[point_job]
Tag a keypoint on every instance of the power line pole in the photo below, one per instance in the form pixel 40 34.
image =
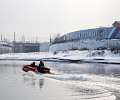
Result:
pixel 50 38
pixel 36 38
pixel 14 44
pixel 1 37
pixel 14 36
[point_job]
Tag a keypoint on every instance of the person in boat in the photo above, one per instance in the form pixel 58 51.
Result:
pixel 41 63
pixel 41 67
pixel 32 64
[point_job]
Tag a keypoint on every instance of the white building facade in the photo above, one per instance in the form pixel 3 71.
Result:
pixel 44 47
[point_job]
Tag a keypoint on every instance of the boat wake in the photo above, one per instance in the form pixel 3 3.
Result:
pixel 89 86
pixel 67 77
pixel 85 86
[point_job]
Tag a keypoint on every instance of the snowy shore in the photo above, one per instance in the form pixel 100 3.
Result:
pixel 89 56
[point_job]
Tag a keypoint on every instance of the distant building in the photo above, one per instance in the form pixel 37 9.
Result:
pixel 89 39
pixel 116 24
pixel 94 33
pixel 26 47
pixel 5 47
pixel 44 46
pixel 20 47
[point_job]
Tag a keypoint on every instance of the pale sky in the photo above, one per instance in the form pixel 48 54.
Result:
pixel 41 18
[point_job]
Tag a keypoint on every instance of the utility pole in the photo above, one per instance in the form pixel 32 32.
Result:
pixel 14 36
pixel 36 38
pixel 14 44
pixel 50 38
pixel 1 37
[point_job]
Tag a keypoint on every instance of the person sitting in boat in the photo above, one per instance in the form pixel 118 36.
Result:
pixel 41 63
pixel 32 64
pixel 41 67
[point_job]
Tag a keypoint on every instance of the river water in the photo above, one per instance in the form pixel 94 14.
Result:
pixel 69 81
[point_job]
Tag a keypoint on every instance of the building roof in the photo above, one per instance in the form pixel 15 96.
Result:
pixel 116 22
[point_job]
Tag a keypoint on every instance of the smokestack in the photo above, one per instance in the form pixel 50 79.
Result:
pixel 14 44
pixel 14 36
pixel 36 38
pixel 1 37
pixel 50 38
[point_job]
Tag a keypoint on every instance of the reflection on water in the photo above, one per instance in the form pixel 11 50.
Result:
pixel 87 68
pixel 29 81
pixel 41 83
pixel 33 82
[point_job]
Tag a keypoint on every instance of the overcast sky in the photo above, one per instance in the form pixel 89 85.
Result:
pixel 40 18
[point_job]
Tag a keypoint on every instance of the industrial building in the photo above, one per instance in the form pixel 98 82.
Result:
pixel 96 38
pixel 20 47
pixel 26 47
pixel 5 47
pixel 95 33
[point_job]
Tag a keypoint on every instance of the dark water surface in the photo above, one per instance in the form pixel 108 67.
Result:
pixel 70 81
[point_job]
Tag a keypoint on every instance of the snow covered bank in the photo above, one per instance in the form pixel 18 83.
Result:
pixel 96 56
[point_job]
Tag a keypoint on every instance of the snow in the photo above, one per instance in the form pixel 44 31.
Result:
pixel 90 44
pixel 89 56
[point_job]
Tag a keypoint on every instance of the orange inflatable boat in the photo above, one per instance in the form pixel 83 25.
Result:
pixel 27 68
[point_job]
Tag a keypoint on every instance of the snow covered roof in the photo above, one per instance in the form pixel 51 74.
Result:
pixel 116 22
